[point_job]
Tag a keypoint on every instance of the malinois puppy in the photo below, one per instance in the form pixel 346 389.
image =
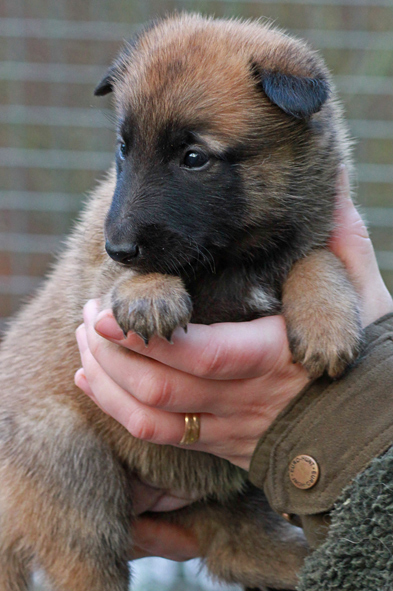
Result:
pixel 219 208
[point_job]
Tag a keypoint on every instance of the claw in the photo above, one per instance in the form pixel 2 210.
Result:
pixel 125 333
pixel 185 328
pixel 169 339
pixel 144 339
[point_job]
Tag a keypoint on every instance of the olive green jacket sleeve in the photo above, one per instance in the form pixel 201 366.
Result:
pixel 333 429
pixel 357 554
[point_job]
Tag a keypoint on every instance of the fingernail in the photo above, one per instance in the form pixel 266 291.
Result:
pixel 107 327
pixel 81 382
pixel 80 378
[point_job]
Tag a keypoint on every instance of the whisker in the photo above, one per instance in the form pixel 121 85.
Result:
pixel 208 257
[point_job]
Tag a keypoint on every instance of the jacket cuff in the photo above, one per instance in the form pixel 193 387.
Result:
pixel 340 426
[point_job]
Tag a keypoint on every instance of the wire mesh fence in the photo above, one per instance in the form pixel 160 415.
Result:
pixel 56 139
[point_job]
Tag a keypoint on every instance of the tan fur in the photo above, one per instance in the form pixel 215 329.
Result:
pixel 66 469
pixel 336 345
pixel 160 304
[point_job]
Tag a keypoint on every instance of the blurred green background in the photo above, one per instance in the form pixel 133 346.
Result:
pixel 57 139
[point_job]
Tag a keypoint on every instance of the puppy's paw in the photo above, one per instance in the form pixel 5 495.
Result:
pixel 151 304
pixel 322 314
pixel 328 347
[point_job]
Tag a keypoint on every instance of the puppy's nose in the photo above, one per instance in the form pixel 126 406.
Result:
pixel 122 253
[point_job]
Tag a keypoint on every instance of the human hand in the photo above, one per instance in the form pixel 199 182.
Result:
pixel 154 537
pixel 125 399
pixel 237 376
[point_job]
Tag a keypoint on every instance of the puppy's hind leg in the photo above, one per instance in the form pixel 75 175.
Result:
pixel 69 572
pixel 84 545
pixel 73 512
pixel 77 551
pixel 244 542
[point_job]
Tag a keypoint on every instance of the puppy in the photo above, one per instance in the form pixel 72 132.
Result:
pixel 219 208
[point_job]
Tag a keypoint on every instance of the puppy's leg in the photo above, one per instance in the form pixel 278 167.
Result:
pixel 151 304
pixel 75 554
pixel 66 573
pixel 321 310
pixel 255 548
pixel 72 509
pixel 245 542
pixel 77 551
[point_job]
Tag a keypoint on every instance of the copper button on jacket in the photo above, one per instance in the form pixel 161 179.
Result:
pixel 303 471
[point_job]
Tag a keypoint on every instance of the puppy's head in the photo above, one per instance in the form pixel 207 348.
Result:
pixel 217 121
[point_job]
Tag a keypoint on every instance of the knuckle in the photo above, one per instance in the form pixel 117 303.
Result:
pixel 212 360
pixel 360 228
pixel 96 346
pixel 154 390
pixel 140 425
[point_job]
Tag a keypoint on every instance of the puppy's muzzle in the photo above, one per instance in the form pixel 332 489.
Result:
pixel 126 254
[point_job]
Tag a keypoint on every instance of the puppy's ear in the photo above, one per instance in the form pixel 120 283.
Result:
pixel 117 69
pixel 297 96
pixel 106 84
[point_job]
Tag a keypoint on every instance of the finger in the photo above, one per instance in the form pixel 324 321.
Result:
pixel 141 421
pixel 350 240
pixel 157 538
pixel 351 243
pixel 219 351
pixel 232 439
pixel 144 497
pixel 150 424
pixel 157 385
pixel 221 437
pixel 82 383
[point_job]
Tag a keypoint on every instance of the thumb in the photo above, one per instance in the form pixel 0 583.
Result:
pixel 351 243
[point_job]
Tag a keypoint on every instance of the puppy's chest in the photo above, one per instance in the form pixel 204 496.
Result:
pixel 232 296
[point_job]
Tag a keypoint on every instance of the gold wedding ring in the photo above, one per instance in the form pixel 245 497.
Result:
pixel 192 427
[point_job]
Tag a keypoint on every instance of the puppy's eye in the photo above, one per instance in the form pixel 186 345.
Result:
pixel 123 150
pixel 195 159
